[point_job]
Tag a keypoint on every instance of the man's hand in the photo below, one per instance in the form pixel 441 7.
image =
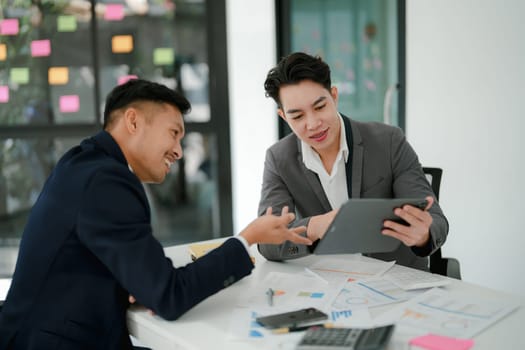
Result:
pixel 132 300
pixel 417 233
pixel 318 225
pixel 273 229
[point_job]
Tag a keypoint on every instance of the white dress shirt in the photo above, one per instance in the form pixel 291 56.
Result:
pixel 334 184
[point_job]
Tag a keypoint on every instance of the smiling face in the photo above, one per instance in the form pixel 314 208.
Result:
pixel 156 141
pixel 311 112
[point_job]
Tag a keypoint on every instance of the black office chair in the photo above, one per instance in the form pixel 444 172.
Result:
pixel 438 264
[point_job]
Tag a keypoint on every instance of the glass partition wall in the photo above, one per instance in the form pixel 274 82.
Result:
pixel 58 61
pixel 362 41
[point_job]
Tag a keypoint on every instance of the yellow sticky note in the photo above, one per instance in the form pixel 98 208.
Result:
pixel 163 56
pixel 66 23
pixel 3 52
pixel 19 75
pixel 58 75
pixel 122 44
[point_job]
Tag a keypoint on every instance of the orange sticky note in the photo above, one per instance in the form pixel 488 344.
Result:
pixel 9 26
pixel 58 75
pixel 122 44
pixel 3 52
pixel 40 48
pixel 4 94
pixel 124 79
pixel 69 103
pixel 114 12
pixel 441 342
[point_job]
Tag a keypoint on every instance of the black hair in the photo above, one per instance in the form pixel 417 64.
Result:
pixel 142 90
pixel 293 69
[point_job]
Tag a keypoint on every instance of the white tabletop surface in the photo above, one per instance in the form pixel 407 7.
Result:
pixel 207 325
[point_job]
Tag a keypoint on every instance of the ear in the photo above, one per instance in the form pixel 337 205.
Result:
pixel 334 93
pixel 281 114
pixel 131 120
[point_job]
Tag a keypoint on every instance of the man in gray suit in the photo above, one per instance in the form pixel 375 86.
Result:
pixel 330 158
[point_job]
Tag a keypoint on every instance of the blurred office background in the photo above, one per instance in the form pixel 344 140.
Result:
pixel 459 66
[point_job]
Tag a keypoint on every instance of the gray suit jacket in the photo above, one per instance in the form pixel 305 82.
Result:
pixel 383 165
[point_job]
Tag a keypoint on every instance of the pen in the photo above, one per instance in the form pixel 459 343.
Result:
pixel 300 328
pixel 270 294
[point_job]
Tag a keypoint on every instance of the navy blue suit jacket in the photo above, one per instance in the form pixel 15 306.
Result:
pixel 87 245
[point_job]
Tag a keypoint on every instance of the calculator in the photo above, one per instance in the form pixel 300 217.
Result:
pixel 321 338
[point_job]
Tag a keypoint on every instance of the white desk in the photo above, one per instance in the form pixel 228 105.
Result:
pixel 206 326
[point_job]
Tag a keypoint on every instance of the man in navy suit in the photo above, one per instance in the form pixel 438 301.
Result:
pixel 88 245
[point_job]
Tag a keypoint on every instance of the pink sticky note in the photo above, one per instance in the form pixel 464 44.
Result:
pixel 9 26
pixel 69 103
pixel 124 79
pixel 441 342
pixel 4 94
pixel 40 48
pixel 114 12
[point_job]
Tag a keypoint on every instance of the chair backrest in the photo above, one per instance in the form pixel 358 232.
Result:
pixel 438 264
pixel 434 177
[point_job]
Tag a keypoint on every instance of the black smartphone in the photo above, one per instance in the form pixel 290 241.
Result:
pixel 292 318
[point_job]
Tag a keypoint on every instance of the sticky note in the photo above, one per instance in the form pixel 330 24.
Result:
pixel 58 75
pixel 69 103
pixel 440 342
pixel 124 79
pixel 122 44
pixel 3 52
pixel 163 56
pixel 114 12
pixel 9 26
pixel 4 94
pixel 40 48
pixel 19 75
pixel 66 23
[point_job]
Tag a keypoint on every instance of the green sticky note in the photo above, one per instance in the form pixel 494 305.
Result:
pixel 163 56
pixel 19 75
pixel 66 23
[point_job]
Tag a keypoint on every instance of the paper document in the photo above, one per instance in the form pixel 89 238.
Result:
pixel 290 291
pixel 243 327
pixel 339 270
pixel 369 293
pixel 447 313
pixel 409 279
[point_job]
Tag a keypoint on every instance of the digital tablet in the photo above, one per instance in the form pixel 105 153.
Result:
pixel 357 226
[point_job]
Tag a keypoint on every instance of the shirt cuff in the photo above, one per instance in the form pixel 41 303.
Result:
pixel 424 250
pixel 244 243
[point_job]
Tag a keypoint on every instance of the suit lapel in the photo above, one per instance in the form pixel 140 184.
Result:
pixel 357 160
pixel 350 146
